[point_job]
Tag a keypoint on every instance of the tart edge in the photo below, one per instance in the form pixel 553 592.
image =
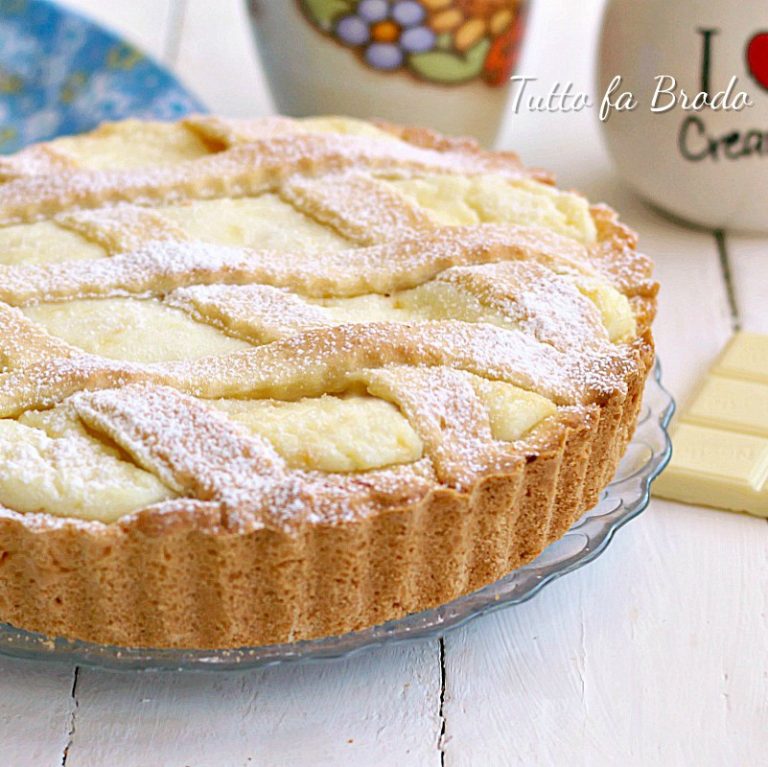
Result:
pixel 186 583
pixel 181 580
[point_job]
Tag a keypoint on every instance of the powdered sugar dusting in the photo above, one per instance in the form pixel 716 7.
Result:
pixel 242 170
pixel 553 341
pixel 191 448
pixel 361 208
pixel 259 313
pixel 121 228
pixel 160 266
pixel 446 412
pixel 547 305
pixel 36 160
pixel 319 360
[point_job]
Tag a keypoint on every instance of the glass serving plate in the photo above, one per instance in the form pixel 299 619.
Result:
pixel 626 496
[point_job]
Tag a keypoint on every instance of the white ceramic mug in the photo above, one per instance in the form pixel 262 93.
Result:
pixel 439 63
pixel 708 166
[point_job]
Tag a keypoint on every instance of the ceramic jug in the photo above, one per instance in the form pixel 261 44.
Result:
pixel 439 63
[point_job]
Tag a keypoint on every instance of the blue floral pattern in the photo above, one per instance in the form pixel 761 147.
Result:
pixel 388 31
pixel 440 41
pixel 62 74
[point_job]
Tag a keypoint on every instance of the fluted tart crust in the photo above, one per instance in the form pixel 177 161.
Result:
pixel 270 380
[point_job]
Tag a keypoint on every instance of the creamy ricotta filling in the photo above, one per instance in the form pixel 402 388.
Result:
pixel 50 462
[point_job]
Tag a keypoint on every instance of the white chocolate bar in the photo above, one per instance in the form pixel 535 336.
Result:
pixel 720 444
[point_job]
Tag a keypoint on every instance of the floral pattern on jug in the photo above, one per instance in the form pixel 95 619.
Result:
pixel 440 41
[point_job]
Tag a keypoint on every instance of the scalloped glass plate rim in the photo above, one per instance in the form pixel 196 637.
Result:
pixel 630 494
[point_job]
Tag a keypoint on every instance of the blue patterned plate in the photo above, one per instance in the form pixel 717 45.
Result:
pixel 60 73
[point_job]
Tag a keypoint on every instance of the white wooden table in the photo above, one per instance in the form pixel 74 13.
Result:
pixel 655 654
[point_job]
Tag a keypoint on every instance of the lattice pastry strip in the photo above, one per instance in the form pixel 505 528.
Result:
pixel 199 453
pixel 264 221
pixel 314 362
pixel 243 170
pixel 510 294
pixel 189 447
pixel 25 343
pixel 108 226
pixel 122 228
pixel 37 160
pixel 377 269
pixel 361 208
pixel 547 305
pixel 260 313
pixel 231 131
pixel 133 143
pixel 444 408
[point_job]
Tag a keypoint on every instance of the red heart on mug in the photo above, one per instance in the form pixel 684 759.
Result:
pixel 757 58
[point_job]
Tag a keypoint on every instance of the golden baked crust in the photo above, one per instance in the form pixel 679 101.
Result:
pixel 246 548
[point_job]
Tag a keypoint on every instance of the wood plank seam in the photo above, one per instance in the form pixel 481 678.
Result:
pixel 74 703
pixel 441 702
pixel 725 265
